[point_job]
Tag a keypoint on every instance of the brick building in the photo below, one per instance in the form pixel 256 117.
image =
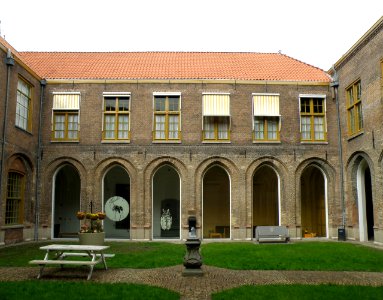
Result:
pixel 236 139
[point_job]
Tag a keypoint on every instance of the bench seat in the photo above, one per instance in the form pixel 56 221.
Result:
pixel 84 254
pixel 63 262
pixel 271 234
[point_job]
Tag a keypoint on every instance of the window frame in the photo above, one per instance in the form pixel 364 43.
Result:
pixel 116 113
pixel 216 117
pixel 166 114
pixel 356 107
pixel 66 111
pixel 266 115
pixel 18 213
pixel 312 115
pixel 29 98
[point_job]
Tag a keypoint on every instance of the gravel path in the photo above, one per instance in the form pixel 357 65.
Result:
pixel 214 279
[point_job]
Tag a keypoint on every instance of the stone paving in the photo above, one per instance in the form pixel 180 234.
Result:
pixel 190 288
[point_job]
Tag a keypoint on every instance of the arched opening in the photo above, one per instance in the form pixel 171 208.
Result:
pixel 67 186
pixel 166 203
pixel 313 203
pixel 365 203
pixel 265 198
pixel 116 190
pixel 216 203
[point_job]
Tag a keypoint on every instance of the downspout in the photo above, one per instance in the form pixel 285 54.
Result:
pixel 335 84
pixel 10 62
pixel 43 83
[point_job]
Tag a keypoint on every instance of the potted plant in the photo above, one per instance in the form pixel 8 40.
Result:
pixel 91 230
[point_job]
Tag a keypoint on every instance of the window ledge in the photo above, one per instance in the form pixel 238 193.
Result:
pixel 26 131
pixel 15 226
pixel 314 142
pixel 355 135
pixel 71 142
pixel 115 141
pixel 166 142
pixel 216 142
pixel 266 142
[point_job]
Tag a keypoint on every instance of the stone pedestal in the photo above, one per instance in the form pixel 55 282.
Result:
pixel 192 258
pixel 96 238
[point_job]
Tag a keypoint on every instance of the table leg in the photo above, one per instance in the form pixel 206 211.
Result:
pixel 41 271
pixel 103 260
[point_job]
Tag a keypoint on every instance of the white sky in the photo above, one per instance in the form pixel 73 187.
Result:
pixel 316 32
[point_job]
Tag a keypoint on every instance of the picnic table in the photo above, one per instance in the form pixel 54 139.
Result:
pixel 57 254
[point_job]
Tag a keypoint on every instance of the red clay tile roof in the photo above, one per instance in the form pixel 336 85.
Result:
pixel 171 65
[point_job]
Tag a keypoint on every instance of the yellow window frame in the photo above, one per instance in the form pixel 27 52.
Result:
pixel 265 129
pixel 311 114
pixel 354 108
pixel 116 113
pixel 216 123
pixel 29 97
pixel 66 125
pixel 167 113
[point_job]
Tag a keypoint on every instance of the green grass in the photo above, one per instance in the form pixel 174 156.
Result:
pixel 57 290
pixel 301 292
pixel 315 256
pixel 320 256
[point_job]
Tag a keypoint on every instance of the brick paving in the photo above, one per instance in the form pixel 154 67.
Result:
pixel 190 288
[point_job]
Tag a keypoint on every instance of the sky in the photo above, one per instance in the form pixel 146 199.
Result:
pixel 315 32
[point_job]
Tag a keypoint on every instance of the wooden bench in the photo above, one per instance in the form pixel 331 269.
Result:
pixel 272 234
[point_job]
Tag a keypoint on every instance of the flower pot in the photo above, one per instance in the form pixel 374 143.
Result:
pixel 96 238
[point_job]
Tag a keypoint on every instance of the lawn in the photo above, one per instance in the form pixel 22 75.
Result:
pixel 61 290
pixel 301 292
pixel 318 256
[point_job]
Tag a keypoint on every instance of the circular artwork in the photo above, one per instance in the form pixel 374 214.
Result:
pixel 116 208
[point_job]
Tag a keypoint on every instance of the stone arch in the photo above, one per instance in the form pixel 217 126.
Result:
pixel 361 174
pixel 19 172
pixel 235 178
pixel 281 171
pixel 147 205
pixel 52 171
pixel 315 197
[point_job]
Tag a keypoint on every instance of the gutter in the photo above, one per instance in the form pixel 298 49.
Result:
pixel 10 62
pixel 43 83
pixel 335 85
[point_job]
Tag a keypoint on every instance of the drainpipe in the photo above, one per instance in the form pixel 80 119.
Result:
pixel 43 83
pixel 10 62
pixel 335 84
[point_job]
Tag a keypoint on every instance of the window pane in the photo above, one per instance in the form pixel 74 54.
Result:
pixel 223 128
pixel 110 121
pixel 318 106
pixel 306 128
pixel 22 109
pixel 123 127
pixel 208 127
pixel 72 126
pixel 59 126
pixel 360 117
pixel 174 103
pixel 319 128
pixel 160 103
pixel 173 127
pixel 259 128
pixel 110 104
pixel 160 127
pixel 352 119
pixel 305 105
pixel 272 128
pixel 123 104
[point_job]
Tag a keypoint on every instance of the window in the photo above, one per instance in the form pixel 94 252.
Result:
pixel 266 122
pixel 23 105
pixel 15 196
pixel 167 117
pixel 354 108
pixel 313 119
pixel 65 122
pixel 116 117
pixel 216 117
